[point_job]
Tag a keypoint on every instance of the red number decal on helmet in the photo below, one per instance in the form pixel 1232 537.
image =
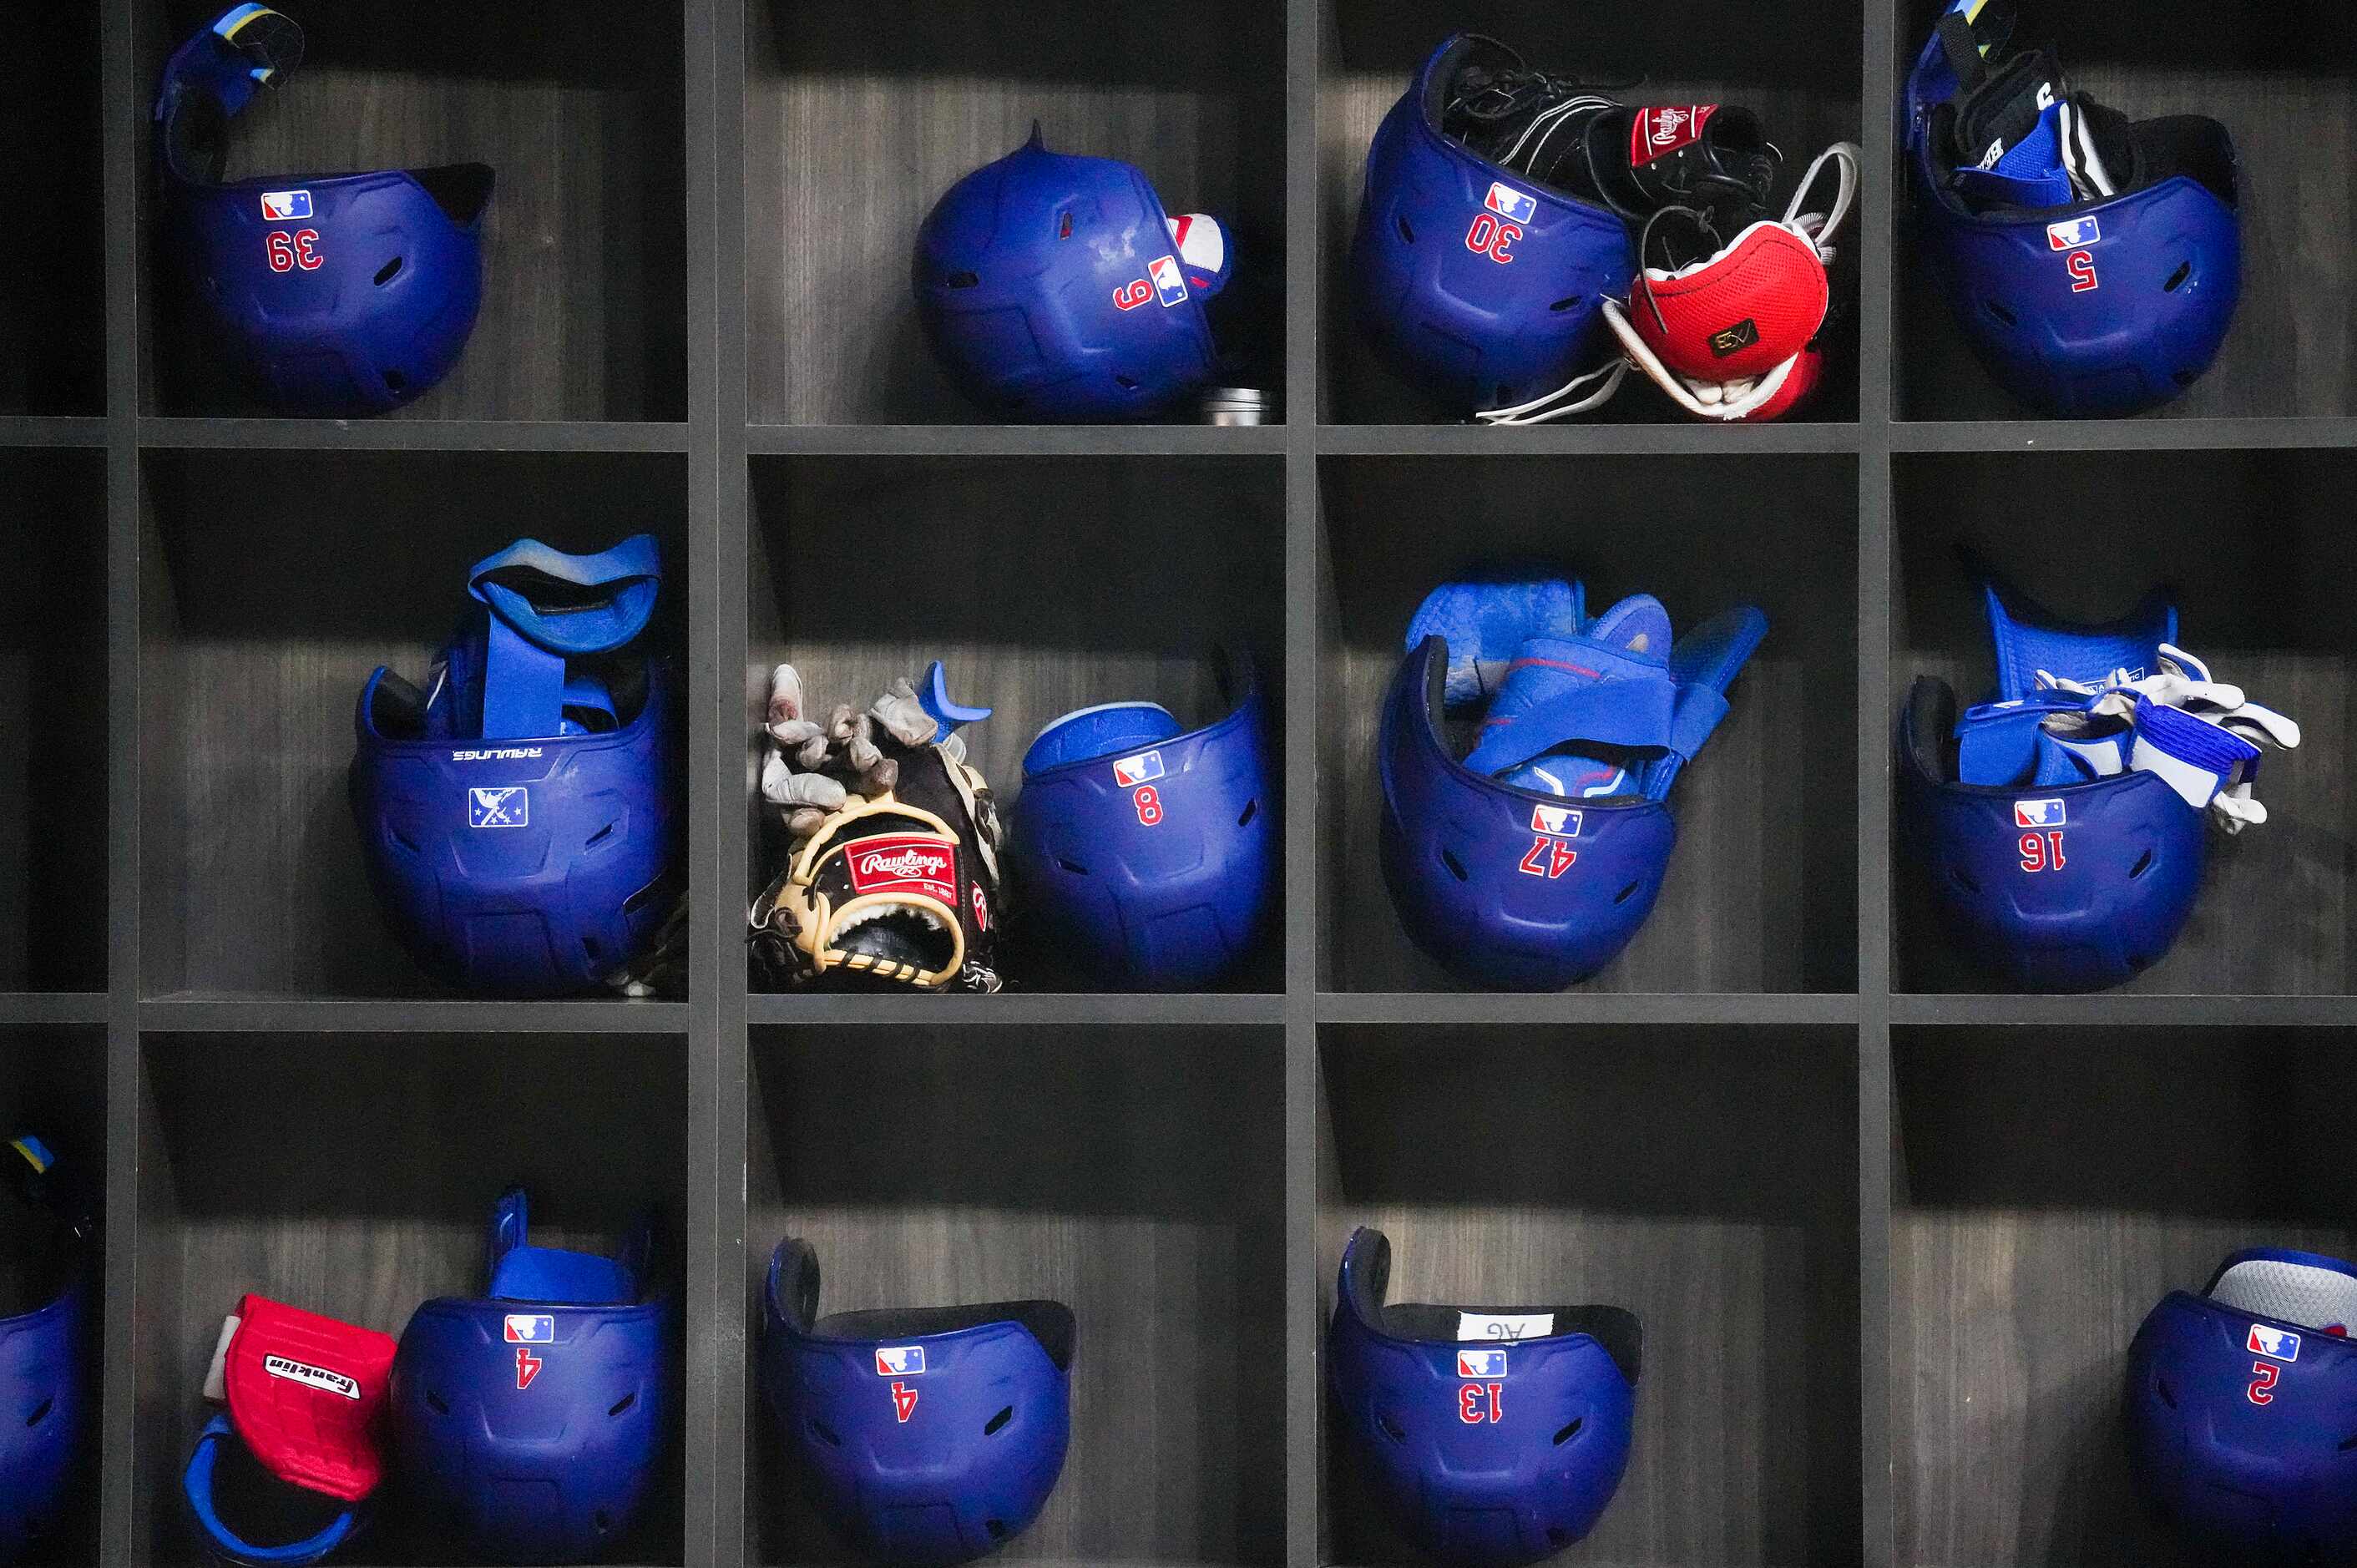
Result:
pixel 2083 271
pixel 1130 296
pixel 1489 237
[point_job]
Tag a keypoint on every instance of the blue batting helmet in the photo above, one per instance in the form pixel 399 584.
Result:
pixel 1531 862
pixel 44 1405
pixel 2103 896
pixel 528 1421
pixel 2095 263
pixel 334 295
pixel 928 1434
pixel 518 818
pixel 1484 1452
pixel 1476 325
pixel 2241 1408
pixel 1147 850
pixel 1054 286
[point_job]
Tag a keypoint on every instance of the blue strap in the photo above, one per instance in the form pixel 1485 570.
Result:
pixel 2087 654
pixel 934 698
pixel 632 572
pixel 519 1271
pixel 1998 743
pixel 197 1484
pixel 1703 663
pixel 523 686
pixel 1629 705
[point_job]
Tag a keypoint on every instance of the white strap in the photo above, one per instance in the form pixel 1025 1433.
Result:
pixel 1819 228
pixel 1704 399
pixel 1540 409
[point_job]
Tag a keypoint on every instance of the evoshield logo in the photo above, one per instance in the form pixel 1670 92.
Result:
pixel 311 1376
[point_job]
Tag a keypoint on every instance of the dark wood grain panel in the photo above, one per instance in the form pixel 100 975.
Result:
pixel 1762 894
pixel 2291 107
pixel 1136 1177
pixel 53 771
pixel 2253 543
pixel 584 312
pixel 1705 1179
pixel 2052 1192
pixel 52 271
pixel 1043 586
pixel 852 130
pixel 263 626
pixel 354 1176
pixel 1798 71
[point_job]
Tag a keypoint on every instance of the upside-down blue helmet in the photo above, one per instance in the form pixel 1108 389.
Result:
pixel 333 295
pixel 927 1435
pixel 2241 1408
pixel 44 1405
pixel 2050 879
pixel 1486 326
pixel 1485 1451
pixel 518 816
pixel 1054 286
pixel 1530 863
pixel 527 1422
pixel 1145 850
pixel 2093 262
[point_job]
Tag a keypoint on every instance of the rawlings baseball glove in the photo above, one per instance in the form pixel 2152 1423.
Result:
pixel 891 877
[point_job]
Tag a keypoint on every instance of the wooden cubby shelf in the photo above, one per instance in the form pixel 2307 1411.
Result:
pixel 1889 1229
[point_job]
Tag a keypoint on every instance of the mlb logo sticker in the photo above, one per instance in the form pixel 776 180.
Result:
pixel 1512 205
pixel 2280 1344
pixel 1481 1363
pixel 899 1362
pixel 1169 283
pixel 284 206
pixel 1560 821
pixel 2038 815
pixel 1131 771
pixel 2073 234
pixel 505 806
pixel 531 1328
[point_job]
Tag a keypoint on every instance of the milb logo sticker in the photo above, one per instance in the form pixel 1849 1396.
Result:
pixel 503 806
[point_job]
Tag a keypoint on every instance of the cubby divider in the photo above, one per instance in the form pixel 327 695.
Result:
pixel 1889 1228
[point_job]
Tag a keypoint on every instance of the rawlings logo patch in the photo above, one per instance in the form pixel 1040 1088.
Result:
pixel 904 862
pixel 311 1376
pixel 1744 334
pixel 1657 133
